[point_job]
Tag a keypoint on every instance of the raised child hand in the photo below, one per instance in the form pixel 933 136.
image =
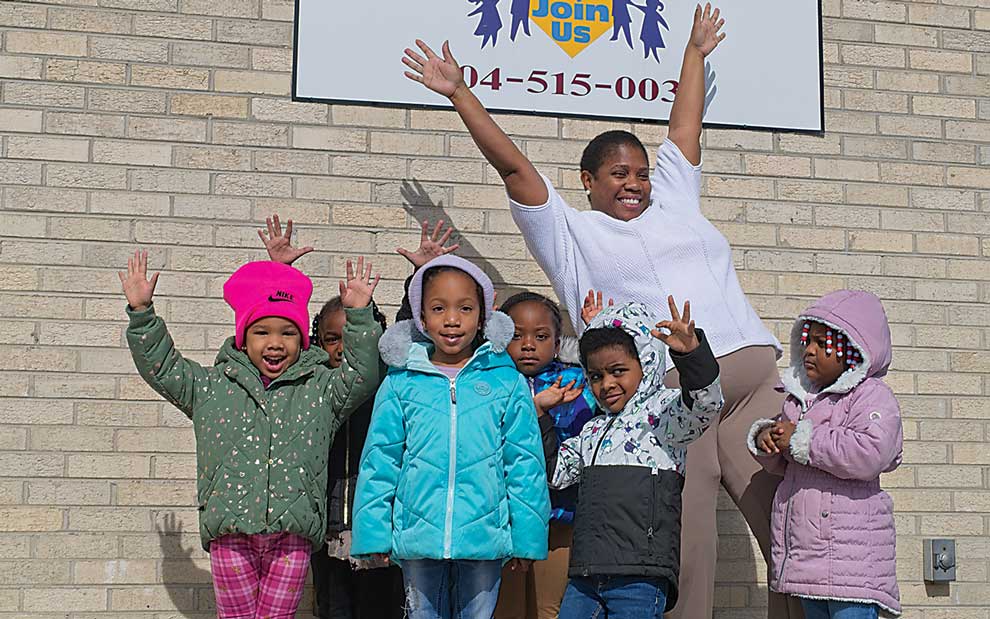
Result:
pixel 280 247
pixel 441 75
pixel 356 291
pixel 705 32
pixel 682 337
pixel 137 287
pixel 764 441
pixel 593 306
pixel 430 245
pixel 782 432
pixel 555 395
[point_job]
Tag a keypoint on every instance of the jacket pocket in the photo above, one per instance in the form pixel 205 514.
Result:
pixel 825 515
pixel 501 493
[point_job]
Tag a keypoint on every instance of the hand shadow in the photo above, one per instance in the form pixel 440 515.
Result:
pixel 189 586
pixel 416 201
pixel 711 88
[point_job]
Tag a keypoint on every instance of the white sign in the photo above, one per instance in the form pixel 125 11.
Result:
pixel 594 58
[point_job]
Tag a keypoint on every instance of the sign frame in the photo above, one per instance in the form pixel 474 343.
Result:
pixel 428 106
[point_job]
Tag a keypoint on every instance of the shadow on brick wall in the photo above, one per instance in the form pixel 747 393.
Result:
pixel 185 576
pixel 416 201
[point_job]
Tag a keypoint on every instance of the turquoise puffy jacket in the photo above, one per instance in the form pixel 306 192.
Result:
pixel 452 469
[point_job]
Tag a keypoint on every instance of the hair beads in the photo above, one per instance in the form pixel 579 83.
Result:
pixel 835 339
pixel 854 358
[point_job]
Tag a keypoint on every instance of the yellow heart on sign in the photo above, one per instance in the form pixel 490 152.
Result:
pixel 572 24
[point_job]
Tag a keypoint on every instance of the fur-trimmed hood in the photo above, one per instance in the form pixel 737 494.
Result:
pixel 858 315
pixel 400 341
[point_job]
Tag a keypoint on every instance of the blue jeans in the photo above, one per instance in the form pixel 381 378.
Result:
pixel 451 589
pixel 614 597
pixel 832 609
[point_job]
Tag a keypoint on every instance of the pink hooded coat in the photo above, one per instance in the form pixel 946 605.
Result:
pixel 832 526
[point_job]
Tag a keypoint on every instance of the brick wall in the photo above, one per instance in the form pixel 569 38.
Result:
pixel 166 124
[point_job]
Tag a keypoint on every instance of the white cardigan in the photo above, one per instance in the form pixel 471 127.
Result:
pixel 671 248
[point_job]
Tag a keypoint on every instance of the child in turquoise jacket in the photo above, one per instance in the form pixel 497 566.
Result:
pixel 452 479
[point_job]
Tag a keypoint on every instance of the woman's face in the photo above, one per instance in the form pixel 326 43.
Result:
pixel 620 187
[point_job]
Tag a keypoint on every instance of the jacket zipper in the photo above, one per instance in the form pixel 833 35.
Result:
pixel 448 536
pixel 347 472
pixel 653 509
pixel 805 405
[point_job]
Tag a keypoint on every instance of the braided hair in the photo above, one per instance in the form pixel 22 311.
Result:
pixel 535 297
pixel 333 306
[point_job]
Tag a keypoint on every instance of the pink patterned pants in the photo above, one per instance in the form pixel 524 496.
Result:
pixel 259 576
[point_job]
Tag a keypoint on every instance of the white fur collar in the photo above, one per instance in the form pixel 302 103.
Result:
pixel 394 345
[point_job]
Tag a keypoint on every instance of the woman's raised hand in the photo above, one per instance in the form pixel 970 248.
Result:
pixel 137 287
pixel 705 32
pixel 441 75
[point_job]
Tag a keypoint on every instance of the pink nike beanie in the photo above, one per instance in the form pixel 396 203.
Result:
pixel 261 289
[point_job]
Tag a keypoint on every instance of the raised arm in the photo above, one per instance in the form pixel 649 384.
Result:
pixel 359 373
pixel 443 76
pixel 182 382
pixel 689 103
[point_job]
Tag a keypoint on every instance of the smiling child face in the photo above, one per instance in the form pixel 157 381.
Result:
pixel 272 344
pixel 451 316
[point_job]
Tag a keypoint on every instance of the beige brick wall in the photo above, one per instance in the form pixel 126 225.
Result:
pixel 166 124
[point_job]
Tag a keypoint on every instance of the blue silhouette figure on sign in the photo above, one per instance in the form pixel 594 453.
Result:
pixel 621 20
pixel 650 33
pixel 520 17
pixel 490 22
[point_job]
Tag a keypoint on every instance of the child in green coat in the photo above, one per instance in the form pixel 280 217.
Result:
pixel 264 416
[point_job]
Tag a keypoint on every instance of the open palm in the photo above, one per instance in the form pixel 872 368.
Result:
pixel 441 75
pixel 359 287
pixel 279 246
pixel 705 32
pixel 137 287
pixel 431 245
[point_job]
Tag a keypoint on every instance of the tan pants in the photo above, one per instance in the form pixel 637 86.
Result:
pixel 721 456
pixel 536 594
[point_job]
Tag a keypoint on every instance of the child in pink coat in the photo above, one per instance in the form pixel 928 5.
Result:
pixel 833 527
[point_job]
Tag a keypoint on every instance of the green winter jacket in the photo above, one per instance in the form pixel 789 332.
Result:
pixel 261 454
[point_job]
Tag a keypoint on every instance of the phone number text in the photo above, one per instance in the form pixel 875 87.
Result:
pixel 578 84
